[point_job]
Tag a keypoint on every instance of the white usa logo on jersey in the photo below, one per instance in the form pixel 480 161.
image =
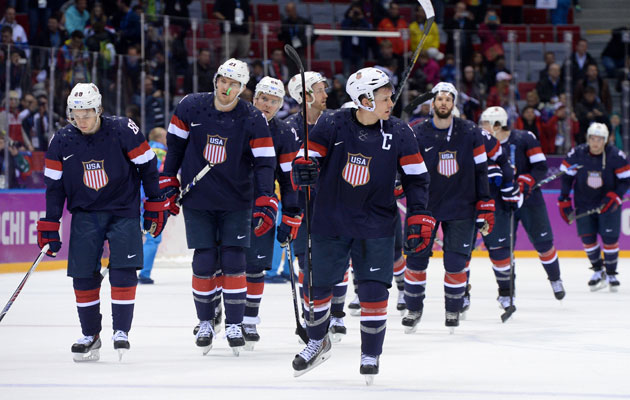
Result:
pixel 594 179
pixel 215 150
pixel 447 165
pixel 94 175
pixel 357 169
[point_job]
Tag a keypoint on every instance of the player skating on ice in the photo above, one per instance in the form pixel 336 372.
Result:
pixel 600 184
pixel 531 167
pixel 96 164
pixel 233 137
pixel 268 98
pixel 459 199
pixel 355 156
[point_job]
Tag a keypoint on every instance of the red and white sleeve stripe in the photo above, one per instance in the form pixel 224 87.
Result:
pixel 535 155
pixel 413 164
pixel 178 127
pixel 495 152
pixel 565 168
pixel 623 172
pixel 285 161
pixel 53 169
pixel 314 150
pixel 141 154
pixel 262 147
pixel 480 154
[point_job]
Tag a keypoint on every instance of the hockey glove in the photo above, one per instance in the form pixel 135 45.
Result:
pixel 485 216
pixel 288 228
pixel 304 172
pixel 526 183
pixel 495 175
pixel 610 202
pixel 399 192
pixel 512 196
pixel 169 187
pixel 48 232
pixel 265 211
pixel 156 211
pixel 566 208
pixel 420 227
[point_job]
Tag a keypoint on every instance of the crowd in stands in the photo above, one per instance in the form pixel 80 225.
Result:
pixel 80 40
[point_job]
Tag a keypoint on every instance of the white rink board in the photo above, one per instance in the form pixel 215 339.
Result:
pixel 575 349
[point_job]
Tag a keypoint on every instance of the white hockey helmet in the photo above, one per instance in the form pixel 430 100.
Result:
pixel 445 87
pixel 271 86
pixel 234 69
pixel 310 79
pixel 598 129
pixel 84 96
pixel 456 112
pixel 495 114
pixel 363 83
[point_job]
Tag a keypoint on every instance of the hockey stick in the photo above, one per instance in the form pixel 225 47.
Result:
pixel 298 326
pixel 192 184
pixel 21 285
pixel 592 211
pixel 417 101
pixel 556 176
pixel 430 15
pixel 294 56
pixel 510 310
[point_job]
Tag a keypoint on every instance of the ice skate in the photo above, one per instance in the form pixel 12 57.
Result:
pixel 337 329
pixel 355 306
pixel 234 335
pixel 598 281
pixel 315 353
pixel 613 283
pixel 86 349
pixel 400 304
pixel 504 302
pixel 369 368
pixel 121 343
pixel 251 336
pixel 558 289
pixel 452 321
pixel 204 335
pixel 410 321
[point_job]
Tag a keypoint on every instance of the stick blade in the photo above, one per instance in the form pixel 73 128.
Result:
pixel 428 8
pixel 508 313
pixel 293 55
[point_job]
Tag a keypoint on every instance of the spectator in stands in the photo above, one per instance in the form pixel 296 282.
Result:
pixel 463 21
pixel 97 15
pixel 130 30
pixel 25 117
pixel 532 100
pixel 154 105
pixel 354 49
pixel 471 94
pixel 494 68
pixel 492 36
pixel 560 15
pixel 73 60
pixel 10 117
pixel 293 32
pixel 132 112
pixel 131 68
pixel 389 58
pixel 499 95
pixel 615 52
pixel 102 41
pixel 416 32
pixel 589 110
pixel 337 95
pixel 394 23
pixel 39 131
pixel 549 58
pixel 179 52
pixel 600 85
pixel 372 9
pixel 16 163
pixel 157 68
pixel 580 59
pixel 447 72
pixel 557 137
pixel 277 67
pixel 430 68
pixel 52 36
pixel 18 33
pixel 257 72
pixel 205 74
pixel 529 121
pixel 77 16
pixel 38 14
pixel 512 11
pixel 552 86
pixel 179 10
pixel 241 26
pixel 480 69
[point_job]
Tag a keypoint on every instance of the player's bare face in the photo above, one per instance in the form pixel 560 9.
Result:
pixel 383 103
pixel 596 144
pixel 485 125
pixel 443 105
pixel 268 104
pixel 86 120
pixel 320 96
pixel 227 90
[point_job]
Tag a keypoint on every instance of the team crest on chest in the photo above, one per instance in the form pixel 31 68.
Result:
pixel 357 169
pixel 447 164
pixel 94 175
pixel 214 151
pixel 594 179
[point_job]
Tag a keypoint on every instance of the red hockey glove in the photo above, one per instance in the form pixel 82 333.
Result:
pixel 485 216
pixel 288 228
pixel 420 228
pixel 264 216
pixel 304 172
pixel 48 232
pixel 512 196
pixel 566 208
pixel 399 192
pixel 156 211
pixel 610 202
pixel 526 183
pixel 169 187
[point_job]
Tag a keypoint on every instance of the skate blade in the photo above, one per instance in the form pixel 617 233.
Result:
pixel 355 312
pixel 411 329
pixel 613 289
pixel 369 380
pixel 121 353
pixel 92 355
pixel 237 350
pixel 300 341
pixel 599 286
pixel 402 312
pixel 249 346
pixel 336 337
pixel 318 361
pixel 451 330
pixel 462 316
pixel 217 328
pixel 205 349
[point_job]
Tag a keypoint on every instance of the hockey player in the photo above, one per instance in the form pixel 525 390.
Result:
pixel 531 167
pixel 601 183
pixel 359 151
pixel 268 98
pixel 96 164
pixel 459 200
pixel 315 107
pixel 233 137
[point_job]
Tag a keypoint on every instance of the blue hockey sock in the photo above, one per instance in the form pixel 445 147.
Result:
pixel 255 276
pixel 234 283
pixel 415 282
pixel 322 297
pixel 87 294
pixel 500 258
pixel 611 254
pixel 549 259
pixel 339 296
pixel 204 284
pixel 123 282
pixel 454 280
pixel 373 297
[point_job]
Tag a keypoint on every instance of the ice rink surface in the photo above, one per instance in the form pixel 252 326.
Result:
pixel 575 349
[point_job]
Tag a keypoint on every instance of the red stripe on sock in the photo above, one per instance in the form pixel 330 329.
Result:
pixel 234 282
pixel 255 288
pixel 415 276
pixel 203 284
pixel 123 293
pixel 87 296
pixel 454 279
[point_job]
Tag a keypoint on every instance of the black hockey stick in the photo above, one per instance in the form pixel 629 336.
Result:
pixel 430 15
pixel 5 310
pixel 417 101
pixel 511 308
pixel 596 210
pixel 556 176
pixel 299 329
pixel 295 57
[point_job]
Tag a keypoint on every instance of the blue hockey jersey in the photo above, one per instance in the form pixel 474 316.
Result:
pixel 497 156
pixel 286 145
